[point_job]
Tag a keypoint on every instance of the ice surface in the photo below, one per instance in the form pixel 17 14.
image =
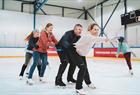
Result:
pixel 110 78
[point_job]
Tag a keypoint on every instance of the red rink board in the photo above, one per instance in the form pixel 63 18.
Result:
pixel 106 52
pixel 52 52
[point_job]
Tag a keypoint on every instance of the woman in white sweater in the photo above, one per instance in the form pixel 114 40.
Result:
pixel 84 44
pixel 87 41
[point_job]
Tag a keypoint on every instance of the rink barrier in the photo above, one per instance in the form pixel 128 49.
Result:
pixel 106 52
pixel 94 58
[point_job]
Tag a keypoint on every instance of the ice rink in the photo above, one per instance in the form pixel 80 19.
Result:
pixel 111 77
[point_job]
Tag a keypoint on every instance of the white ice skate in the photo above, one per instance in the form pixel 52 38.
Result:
pixel 42 80
pixel 27 74
pixel 80 92
pixel 131 72
pixel 20 77
pixel 30 81
pixel 91 86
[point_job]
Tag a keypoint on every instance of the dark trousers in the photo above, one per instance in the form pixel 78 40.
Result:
pixel 64 62
pixel 28 57
pixel 36 57
pixel 127 57
pixel 79 61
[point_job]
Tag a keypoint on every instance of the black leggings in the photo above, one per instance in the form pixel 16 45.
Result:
pixel 127 57
pixel 28 57
pixel 79 61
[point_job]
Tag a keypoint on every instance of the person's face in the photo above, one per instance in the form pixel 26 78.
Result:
pixel 95 31
pixel 49 29
pixel 78 30
pixel 36 34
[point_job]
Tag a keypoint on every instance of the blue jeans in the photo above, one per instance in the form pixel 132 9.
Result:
pixel 36 56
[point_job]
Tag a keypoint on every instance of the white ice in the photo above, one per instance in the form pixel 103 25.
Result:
pixel 110 77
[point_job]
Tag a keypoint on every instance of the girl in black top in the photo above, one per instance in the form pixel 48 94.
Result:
pixel 32 39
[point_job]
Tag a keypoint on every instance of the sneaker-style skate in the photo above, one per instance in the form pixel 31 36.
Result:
pixel 131 72
pixel 80 92
pixel 20 77
pixel 91 86
pixel 30 81
pixel 42 80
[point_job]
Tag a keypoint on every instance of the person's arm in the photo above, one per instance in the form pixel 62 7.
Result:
pixel 54 40
pixel 100 39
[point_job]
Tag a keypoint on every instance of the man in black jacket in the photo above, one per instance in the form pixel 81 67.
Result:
pixel 72 36
pixel 67 42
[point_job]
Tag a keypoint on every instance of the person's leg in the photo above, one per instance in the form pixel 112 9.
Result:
pixel 86 77
pixel 128 59
pixel 28 57
pixel 39 67
pixel 62 67
pixel 78 61
pixel 63 64
pixel 44 59
pixel 71 70
pixel 36 56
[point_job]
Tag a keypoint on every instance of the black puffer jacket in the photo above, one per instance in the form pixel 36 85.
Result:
pixel 68 39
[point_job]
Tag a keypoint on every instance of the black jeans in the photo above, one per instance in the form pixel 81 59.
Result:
pixel 64 62
pixel 79 61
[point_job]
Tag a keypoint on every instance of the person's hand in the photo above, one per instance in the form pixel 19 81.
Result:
pixel 51 44
pixel 106 40
pixel 36 46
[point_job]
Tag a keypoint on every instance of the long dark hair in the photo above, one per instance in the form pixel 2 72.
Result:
pixel 29 36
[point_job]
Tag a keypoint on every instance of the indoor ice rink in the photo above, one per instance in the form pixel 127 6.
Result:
pixel 108 71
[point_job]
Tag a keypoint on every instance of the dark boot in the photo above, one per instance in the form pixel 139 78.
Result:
pixel 59 82
pixel 22 70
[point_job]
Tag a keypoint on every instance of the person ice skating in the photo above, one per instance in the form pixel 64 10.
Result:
pixel 124 48
pixel 72 38
pixel 31 39
pixel 78 53
pixel 46 39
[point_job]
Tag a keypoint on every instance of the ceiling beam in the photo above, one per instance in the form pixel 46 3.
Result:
pixel 31 2
pixel 97 4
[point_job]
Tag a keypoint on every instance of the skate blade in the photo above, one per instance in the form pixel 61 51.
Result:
pixel 93 88
pixel 42 82
pixel 29 83
pixel 62 87
pixel 71 83
pixel 77 93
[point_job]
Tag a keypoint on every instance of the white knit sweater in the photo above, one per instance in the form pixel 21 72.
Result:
pixel 85 43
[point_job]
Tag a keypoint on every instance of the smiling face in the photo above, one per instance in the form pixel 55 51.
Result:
pixel 78 30
pixel 49 29
pixel 36 34
pixel 95 30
